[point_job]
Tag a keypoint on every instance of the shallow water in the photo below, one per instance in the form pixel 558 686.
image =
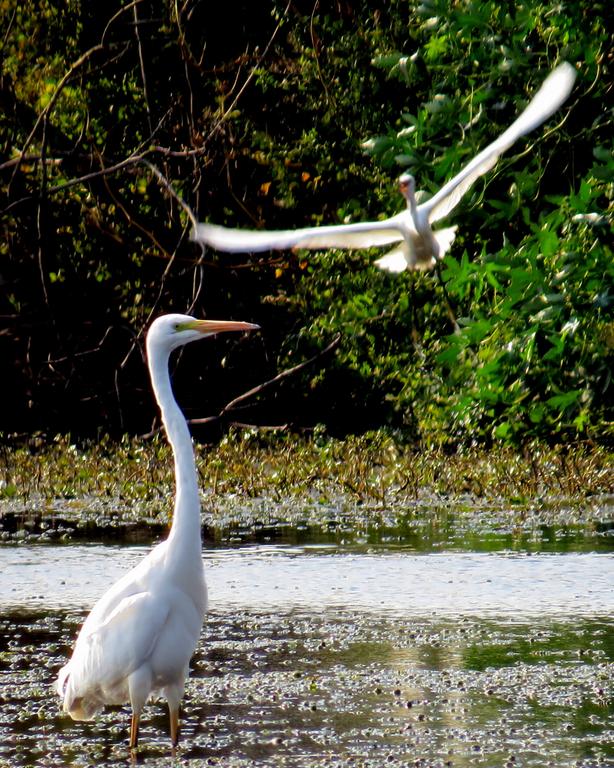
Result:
pixel 273 577
pixel 323 656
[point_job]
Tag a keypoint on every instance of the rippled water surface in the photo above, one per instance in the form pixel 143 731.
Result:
pixel 275 577
pixel 319 656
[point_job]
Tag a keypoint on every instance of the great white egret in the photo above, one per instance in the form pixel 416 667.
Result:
pixel 140 635
pixel 419 246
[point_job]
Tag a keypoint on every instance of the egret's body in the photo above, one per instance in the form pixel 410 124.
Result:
pixel 140 636
pixel 418 246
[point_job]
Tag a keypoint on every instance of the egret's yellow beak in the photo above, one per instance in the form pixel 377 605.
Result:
pixel 218 326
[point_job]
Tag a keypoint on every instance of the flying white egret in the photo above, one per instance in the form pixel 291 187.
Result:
pixel 140 636
pixel 419 246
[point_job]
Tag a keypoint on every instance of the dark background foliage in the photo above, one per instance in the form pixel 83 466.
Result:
pixel 283 115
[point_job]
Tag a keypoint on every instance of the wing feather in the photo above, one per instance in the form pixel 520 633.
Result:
pixel 107 654
pixel 553 92
pixel 359 235
pixel 394 261
pixel 445 238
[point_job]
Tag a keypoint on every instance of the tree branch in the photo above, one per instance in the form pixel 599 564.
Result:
pixel 248 79
pixel 43 116
pixel 137 34
pixel 238 401
pixel 54 97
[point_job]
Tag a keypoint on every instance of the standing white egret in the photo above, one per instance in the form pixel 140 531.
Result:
pixel 140 636
pixel 419 247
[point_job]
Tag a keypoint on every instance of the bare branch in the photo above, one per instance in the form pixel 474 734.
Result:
pixel 238 401
pixel 137 34
pixel 93 350
pixel 30 159
pixel 171 190
pixel 271 427
pixel 115 16
pixel 134 159
pixel 183 43
pixel 75 66
pixel 249 78
pixel 45 112
pixel 316 47
pixel 128 161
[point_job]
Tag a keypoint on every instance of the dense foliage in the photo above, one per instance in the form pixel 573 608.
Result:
pixel 283 115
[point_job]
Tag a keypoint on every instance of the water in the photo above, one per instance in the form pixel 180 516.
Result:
pixel 273 578
pixel 325 656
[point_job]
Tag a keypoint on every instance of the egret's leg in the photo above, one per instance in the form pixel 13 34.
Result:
pixel 451 313
pixel 139 687
pixel 415 336
pixel 174 717
pixel 134 730
pixel 173 695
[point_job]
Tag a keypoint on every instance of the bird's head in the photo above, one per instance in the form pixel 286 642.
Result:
pixel 173 331
pixel 407 186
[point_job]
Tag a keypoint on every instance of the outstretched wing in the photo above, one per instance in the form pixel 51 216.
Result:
pixel 553 92
pixel 359 235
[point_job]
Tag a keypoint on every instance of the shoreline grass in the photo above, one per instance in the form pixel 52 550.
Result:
pixel 284 478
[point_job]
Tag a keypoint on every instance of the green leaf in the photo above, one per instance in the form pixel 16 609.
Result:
pixel 565 399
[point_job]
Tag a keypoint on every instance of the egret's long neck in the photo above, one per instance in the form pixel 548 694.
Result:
pixel 186 517
pixel 411 204
pixel 426 246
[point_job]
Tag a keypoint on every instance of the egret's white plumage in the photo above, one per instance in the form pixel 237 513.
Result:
pixel 418 246
pixel 140 636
